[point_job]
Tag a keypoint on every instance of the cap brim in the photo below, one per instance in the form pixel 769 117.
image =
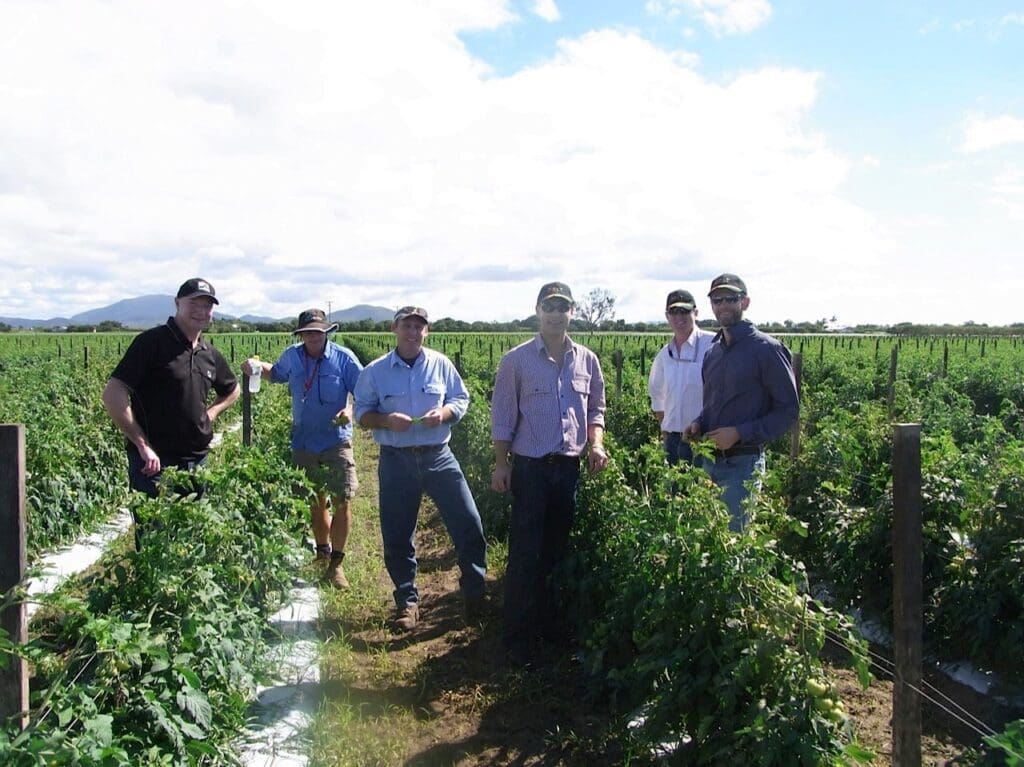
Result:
pixel 680 304
pixel 555 295
pixel 317 329
pixel 733 288
pixel 201 293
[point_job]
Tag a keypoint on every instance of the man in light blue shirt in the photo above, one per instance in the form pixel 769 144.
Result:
pixel 410 397
pixel 320 375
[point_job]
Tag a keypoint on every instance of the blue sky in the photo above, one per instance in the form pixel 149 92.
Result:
pixel 857 160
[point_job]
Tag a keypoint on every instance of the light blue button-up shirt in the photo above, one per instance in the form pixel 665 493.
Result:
pixel 319 389
pixel 389 385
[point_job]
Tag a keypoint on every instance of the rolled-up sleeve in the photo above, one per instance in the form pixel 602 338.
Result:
pixel 366 394
pixel 595 400
pixel 456 396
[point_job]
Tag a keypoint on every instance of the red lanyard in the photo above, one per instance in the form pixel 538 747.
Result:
pixel 307 384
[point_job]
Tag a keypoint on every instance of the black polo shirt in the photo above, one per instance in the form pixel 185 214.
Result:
pixel 170 384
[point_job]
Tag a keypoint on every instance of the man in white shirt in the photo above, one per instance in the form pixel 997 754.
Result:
pixel 675 383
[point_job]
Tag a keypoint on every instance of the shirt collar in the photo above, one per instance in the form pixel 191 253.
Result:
pixel 538 344
pixel 178 335
pixel 396 359
pixel 739 331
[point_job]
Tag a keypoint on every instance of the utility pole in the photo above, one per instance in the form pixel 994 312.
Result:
pixel 328 311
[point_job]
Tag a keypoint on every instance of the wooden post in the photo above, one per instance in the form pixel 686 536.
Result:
pixel 85 357
pixel 794 435
pixel 893 359
pixel 13 678
pixel 906 597
pixel 617 359
pixel 246 411
pixel 945 358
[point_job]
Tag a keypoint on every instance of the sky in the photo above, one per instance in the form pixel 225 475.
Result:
pixel 862 161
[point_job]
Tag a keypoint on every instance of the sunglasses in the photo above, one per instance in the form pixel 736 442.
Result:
pixel 733 299
pixel 678 310
pixel 555 306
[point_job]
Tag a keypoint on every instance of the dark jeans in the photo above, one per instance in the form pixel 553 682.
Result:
pixel 405 475
pixel 148 485
pixel 543 509
pixel 677 449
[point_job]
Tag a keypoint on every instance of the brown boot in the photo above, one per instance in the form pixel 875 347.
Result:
pixel 406 617
pixel 335 574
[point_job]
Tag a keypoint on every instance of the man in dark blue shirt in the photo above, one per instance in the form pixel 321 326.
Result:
pixel 750 396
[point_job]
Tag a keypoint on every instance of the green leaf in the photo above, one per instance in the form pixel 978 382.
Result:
pixel 99 728
pixel 195 703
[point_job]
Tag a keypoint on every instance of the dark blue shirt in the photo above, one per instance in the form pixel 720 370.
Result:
pixel 749 384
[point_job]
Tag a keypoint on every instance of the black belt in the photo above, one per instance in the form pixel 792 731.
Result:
pixel 551 458
pixel 738 450
pixel 415 448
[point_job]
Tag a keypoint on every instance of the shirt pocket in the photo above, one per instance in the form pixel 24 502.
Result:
pixel 432 396
pixel 581 385
pixel 331 388
pixel 537 390
pixel 393 399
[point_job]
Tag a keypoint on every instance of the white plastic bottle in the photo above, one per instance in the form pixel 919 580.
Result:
pixel 254 377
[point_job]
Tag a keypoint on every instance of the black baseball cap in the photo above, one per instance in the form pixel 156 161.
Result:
pixel 683 298
pixel 555 290
pixel 728 282
pixel 197 286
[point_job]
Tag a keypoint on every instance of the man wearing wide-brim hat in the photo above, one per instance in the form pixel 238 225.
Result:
pixel 321 375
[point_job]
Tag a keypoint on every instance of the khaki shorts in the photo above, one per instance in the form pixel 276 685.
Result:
pixel 333 468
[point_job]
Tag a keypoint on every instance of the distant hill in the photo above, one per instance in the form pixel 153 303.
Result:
pixel 146 311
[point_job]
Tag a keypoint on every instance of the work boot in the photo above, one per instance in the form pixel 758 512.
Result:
pixel 323 556
pixel 335 574
pixel 406 617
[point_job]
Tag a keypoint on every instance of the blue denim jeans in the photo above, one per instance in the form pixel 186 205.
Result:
pixel 543 509
pixel 404 476
pixel 677 449
pixel 731 474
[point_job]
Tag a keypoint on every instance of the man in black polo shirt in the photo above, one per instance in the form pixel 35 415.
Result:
pixel 157 394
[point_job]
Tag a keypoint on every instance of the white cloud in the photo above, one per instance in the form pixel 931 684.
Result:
pixel 336 155
pixel 723 17
pixel 547 10
pixel 1012 18
pixel 984 133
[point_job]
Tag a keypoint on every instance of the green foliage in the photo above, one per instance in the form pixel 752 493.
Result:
pixel 75 471
pixel 704 632
pixel 157 661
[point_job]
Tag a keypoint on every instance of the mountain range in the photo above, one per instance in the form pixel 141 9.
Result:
pixel 146 311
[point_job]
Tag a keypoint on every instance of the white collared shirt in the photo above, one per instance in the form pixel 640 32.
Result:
pixel 675 383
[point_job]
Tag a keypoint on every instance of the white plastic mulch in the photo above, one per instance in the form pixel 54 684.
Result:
pixel 282 712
